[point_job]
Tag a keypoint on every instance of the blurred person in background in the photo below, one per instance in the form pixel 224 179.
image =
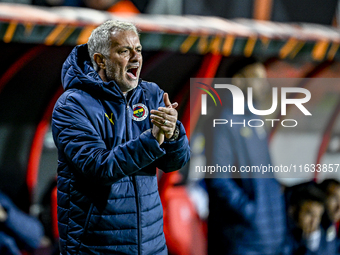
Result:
pixel 306 206
pixel 331 187
pixel 112 130
pixel 246 210
pixel 18 230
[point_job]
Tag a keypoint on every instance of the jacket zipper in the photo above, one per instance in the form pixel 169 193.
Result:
pixel 134 181
pixel 87 220
pixel 139 231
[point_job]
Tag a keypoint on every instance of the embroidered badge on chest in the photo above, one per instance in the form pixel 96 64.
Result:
pixel 140 112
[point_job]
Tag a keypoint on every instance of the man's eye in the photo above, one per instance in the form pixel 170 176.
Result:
pixel 124 51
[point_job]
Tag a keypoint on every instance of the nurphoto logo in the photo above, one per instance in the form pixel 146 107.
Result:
pixel 240 102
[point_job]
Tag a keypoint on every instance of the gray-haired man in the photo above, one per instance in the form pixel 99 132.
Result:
pixel 112 130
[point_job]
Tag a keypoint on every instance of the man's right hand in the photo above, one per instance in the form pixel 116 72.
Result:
pixel 157 132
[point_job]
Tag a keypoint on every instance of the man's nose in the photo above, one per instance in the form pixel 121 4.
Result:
pixel 135 56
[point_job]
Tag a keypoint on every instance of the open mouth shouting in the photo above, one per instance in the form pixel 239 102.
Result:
pixel 132 72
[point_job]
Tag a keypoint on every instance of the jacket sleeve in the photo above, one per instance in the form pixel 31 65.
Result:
pixel 81 144
pixel 219 147
pixel 177 152
pixel 232 196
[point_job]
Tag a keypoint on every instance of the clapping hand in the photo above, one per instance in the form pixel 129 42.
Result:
pixel 164 120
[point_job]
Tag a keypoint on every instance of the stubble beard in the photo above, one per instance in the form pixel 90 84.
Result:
pixel 111 75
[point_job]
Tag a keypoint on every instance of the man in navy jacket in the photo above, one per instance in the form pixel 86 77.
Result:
pixel 246 210
pixel 112 130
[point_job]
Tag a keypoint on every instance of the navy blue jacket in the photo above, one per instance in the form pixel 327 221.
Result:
pixel 246 210
pixel 108 200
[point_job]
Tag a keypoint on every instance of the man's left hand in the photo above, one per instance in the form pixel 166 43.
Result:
pixel 165 118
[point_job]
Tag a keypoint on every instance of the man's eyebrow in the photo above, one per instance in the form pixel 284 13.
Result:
pixel 129 47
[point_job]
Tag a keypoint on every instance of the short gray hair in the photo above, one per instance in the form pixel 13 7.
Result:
pixel 100 41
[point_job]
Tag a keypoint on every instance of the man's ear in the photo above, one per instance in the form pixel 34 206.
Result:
pixel 100 60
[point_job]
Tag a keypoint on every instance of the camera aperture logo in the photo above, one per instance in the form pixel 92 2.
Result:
pixel 204 97
pixel 239 104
